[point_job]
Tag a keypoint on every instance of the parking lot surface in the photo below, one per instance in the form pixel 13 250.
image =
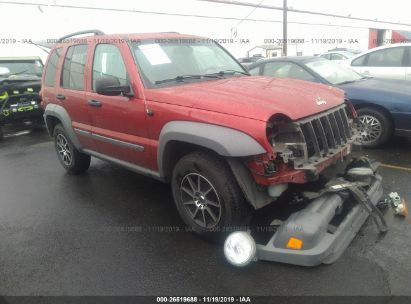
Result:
pixel 106 233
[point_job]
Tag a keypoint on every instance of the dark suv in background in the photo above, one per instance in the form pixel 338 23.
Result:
pixel 20 82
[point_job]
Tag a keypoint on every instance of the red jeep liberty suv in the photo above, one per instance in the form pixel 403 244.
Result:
pixel 181 109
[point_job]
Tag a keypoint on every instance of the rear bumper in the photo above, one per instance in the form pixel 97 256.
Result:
pixel 312 225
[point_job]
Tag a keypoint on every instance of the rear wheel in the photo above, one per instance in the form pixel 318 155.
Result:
pixel 70 158
pixel 208 197
pixel 375 127
pixel 1 133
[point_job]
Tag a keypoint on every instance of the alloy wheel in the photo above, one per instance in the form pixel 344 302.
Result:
pixel 63 149
pixel 200 199
pixel 370 129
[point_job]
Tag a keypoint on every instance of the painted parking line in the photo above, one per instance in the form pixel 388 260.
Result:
pixel 396 167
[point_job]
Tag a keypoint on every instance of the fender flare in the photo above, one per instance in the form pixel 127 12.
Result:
pixel 57 111
pixel 222 140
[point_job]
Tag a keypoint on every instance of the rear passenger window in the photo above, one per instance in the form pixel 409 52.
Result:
pixel 73 70
pixel 109 62
pixel 50 73
pixel 392 57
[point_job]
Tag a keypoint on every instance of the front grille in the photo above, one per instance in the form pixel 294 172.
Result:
pixel 326 132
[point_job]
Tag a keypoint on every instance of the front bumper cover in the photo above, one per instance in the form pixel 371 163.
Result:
pixel 312 225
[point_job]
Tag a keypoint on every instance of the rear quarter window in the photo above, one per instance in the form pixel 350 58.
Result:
pixel 50 73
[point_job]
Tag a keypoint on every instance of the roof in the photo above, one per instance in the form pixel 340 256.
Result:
pixel 292 58
pixel 268 47
pixel 129 36
pixel 20 58
pixel 295 59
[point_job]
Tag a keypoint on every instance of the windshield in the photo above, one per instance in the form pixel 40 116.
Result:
pixel 159 61
pixel 333 72
pixel 32 67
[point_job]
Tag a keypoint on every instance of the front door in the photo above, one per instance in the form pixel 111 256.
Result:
pixel 119 122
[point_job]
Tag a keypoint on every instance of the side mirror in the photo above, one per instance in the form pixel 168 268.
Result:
pixel 4 71
pixel 110 86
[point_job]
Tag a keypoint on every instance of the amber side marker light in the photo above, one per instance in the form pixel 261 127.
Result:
pixel 294 243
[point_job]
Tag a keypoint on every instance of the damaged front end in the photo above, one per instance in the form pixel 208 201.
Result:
pixel 308 142
pixel 320 232
pixel 20 101
pixel 334 213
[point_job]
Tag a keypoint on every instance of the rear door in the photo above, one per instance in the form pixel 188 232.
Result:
pixel 71 94
pixel 387 63
pixel 119 122
pixel 50 78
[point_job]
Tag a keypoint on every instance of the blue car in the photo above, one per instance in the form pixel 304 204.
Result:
pixel 383 106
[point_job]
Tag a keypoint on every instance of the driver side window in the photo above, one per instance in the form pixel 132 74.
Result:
pixel 109 62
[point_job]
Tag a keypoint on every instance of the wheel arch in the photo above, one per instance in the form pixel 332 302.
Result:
pixel 54 114
pixel 178 137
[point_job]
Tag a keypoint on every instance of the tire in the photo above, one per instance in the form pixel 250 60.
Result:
pixel 375 127
pixel 70 158
pixel 1 133
pixel 219 194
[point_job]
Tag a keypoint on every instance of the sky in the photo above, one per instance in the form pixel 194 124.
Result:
pixel 46 22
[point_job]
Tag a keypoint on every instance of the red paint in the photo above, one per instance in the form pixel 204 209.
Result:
pixel 372 39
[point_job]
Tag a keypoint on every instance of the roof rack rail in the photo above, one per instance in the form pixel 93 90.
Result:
pixel 95 32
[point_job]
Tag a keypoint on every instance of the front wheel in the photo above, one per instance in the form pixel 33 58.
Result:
pixel 70 158
pixel 208 197
pixel 375 127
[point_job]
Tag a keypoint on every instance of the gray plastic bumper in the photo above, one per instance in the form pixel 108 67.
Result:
pixel 312 226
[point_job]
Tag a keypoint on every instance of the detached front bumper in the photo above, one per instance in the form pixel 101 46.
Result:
pixel 320 242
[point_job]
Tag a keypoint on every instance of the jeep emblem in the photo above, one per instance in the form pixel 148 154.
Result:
pixel 320 101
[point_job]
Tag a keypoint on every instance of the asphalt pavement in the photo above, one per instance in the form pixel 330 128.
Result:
pixel 114 232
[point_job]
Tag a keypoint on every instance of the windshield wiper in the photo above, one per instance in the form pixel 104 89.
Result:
pixel 181 78
pixel 230 72
pixel 347 82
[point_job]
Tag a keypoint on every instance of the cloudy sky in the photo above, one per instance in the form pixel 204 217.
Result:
pixel 44 20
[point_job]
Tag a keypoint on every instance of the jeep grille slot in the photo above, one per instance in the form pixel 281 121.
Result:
pixel 326 131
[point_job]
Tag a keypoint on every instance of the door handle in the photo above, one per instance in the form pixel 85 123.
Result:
pixel 95 103
pixel 366 72
pixel 60 97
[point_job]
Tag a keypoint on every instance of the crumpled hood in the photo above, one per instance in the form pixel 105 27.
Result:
pixel 252 97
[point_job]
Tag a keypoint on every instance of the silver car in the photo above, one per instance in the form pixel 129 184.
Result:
pixel 389 61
